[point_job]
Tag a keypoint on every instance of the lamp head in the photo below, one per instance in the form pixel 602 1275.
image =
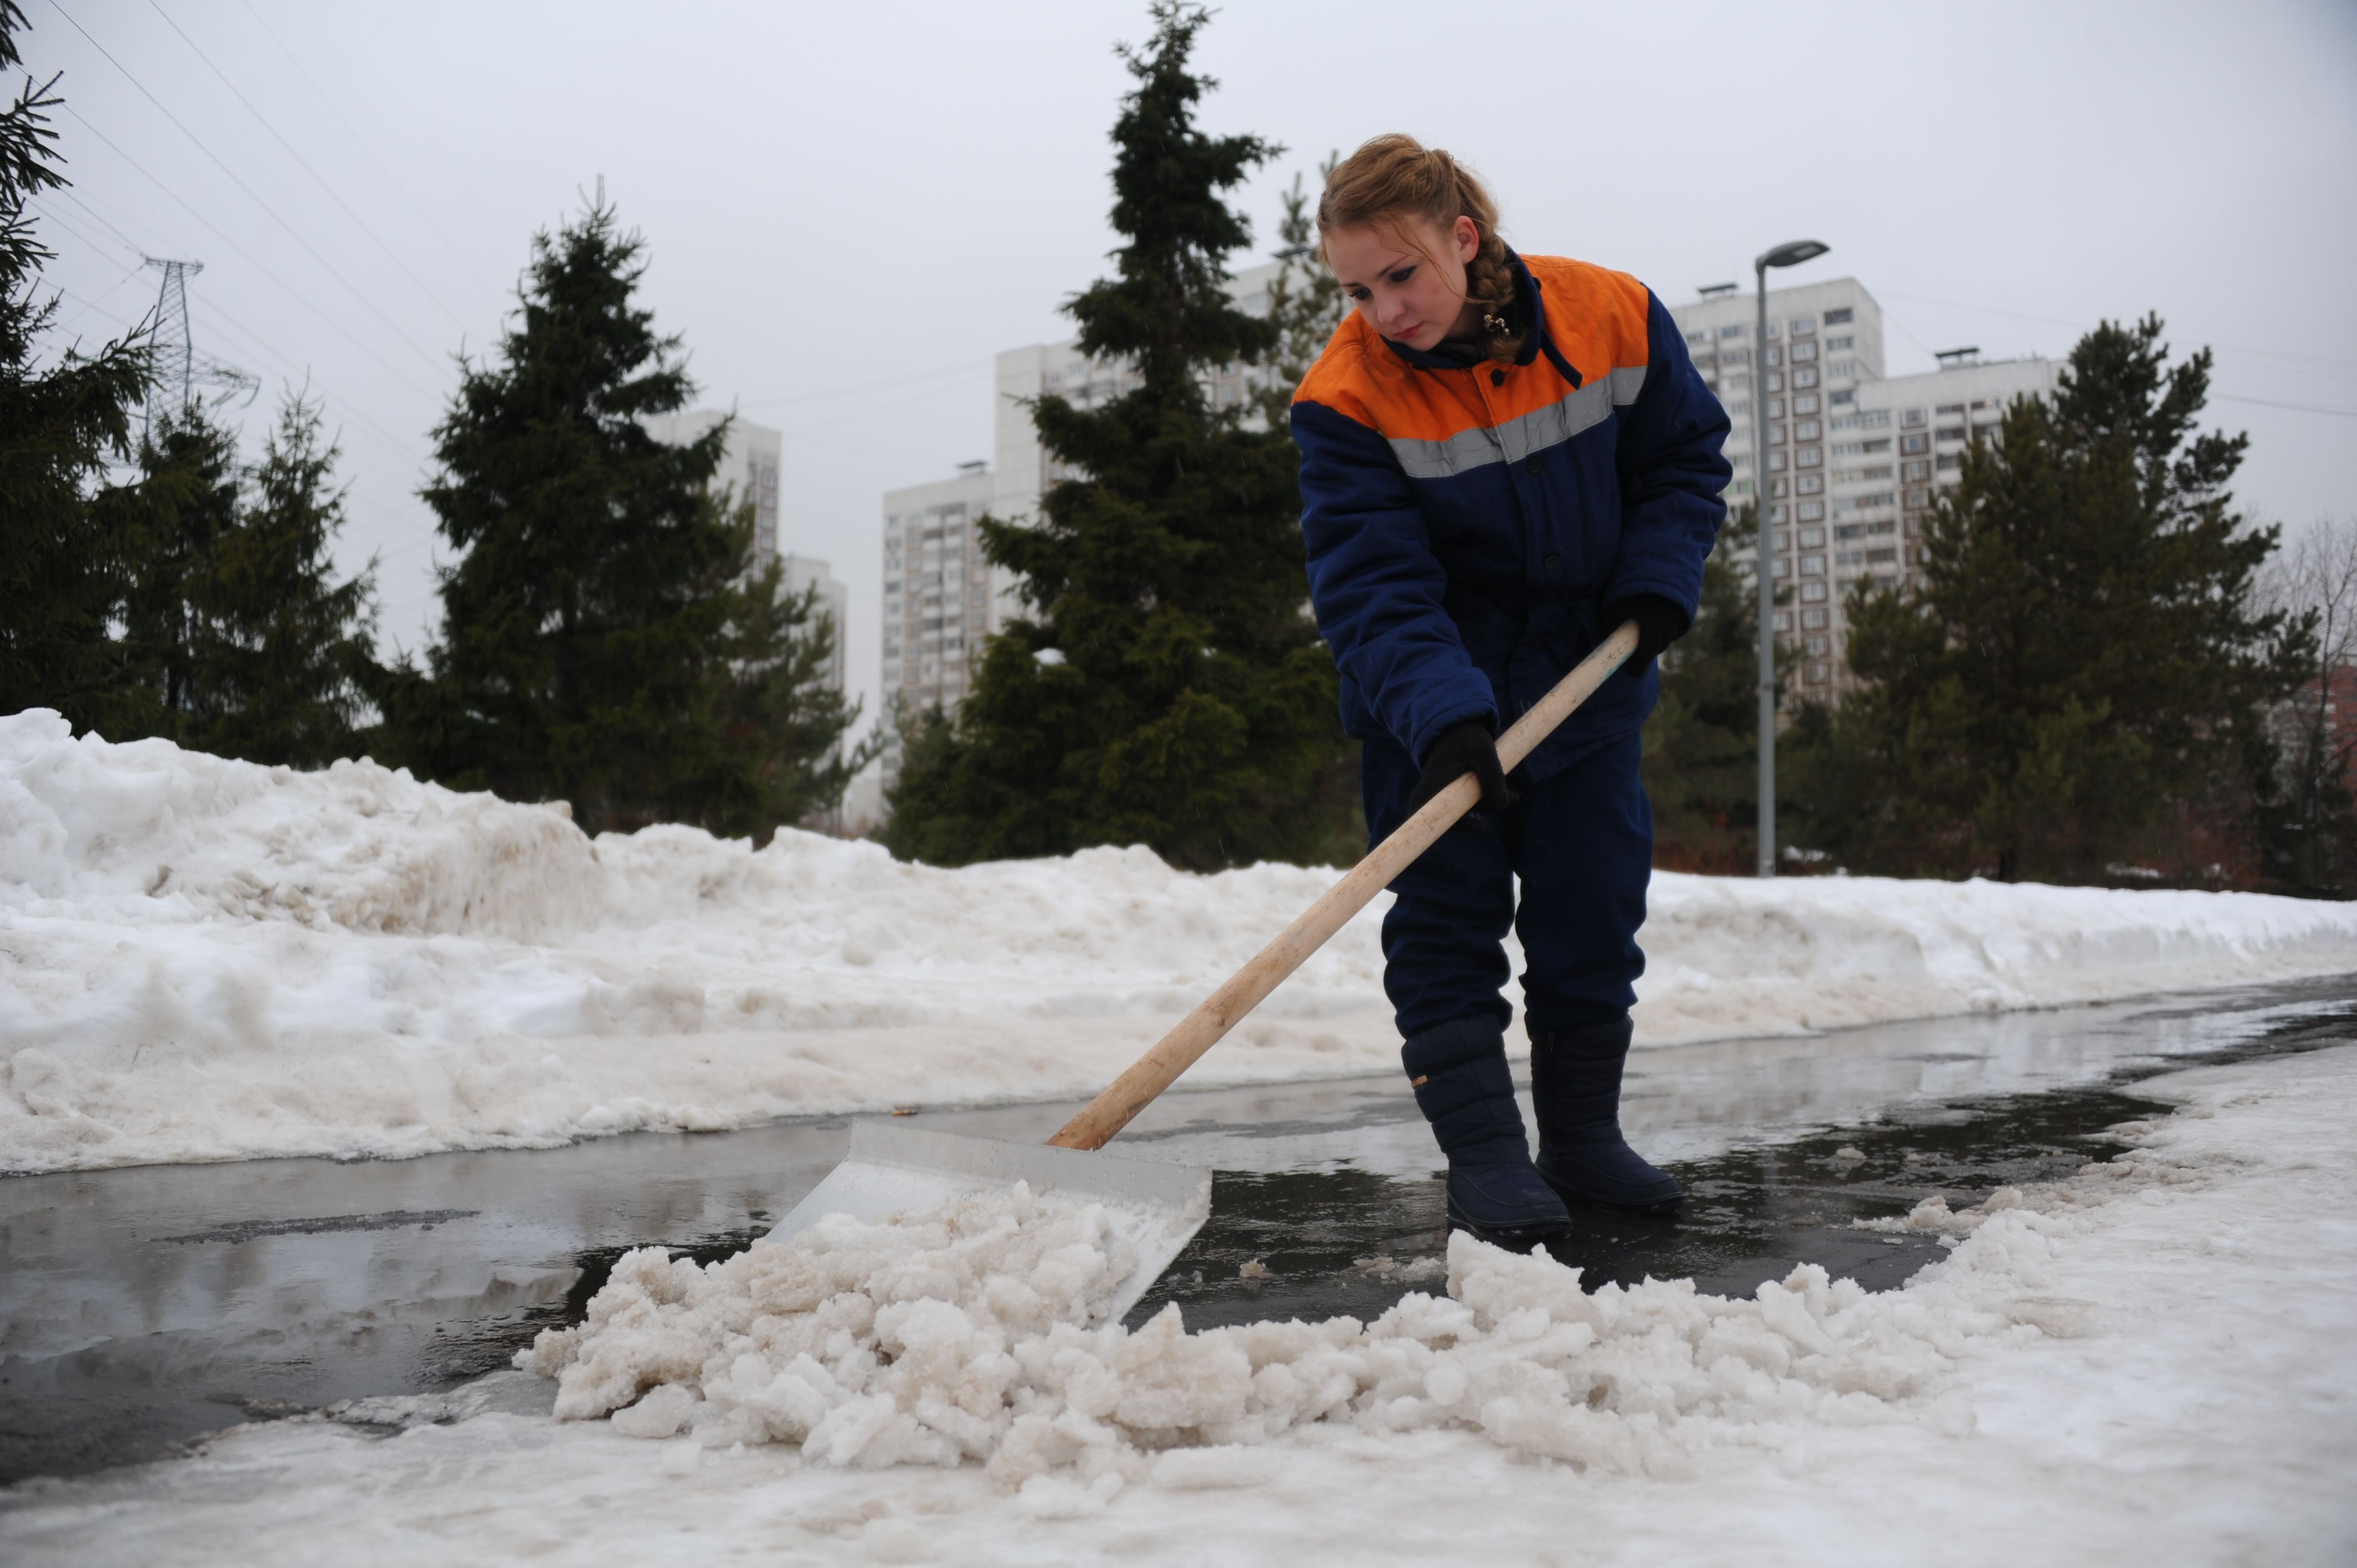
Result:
pixel 1793 254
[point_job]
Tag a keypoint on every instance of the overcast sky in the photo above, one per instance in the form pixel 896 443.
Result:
pixel 850 208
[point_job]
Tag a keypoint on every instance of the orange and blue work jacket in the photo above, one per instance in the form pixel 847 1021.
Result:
pixel 1468 519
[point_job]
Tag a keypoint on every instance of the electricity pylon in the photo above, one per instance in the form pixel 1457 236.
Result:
pixel 179 369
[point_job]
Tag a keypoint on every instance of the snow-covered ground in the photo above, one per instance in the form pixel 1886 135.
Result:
pixel 2148 1364
pixel 204 959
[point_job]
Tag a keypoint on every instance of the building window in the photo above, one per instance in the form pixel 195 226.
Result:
pixel 1808 456
pixel 1917 441
pixel 1819 675
pixel 1775 355
pixel 1805 403
pixel 1812 539
pixel 1803 352
pixel 1776 488
pixel 1839 398
pixel 1809 484
pixel 1919 498
pixel 1807 429
pixel 1775 436
pixel 1835 345
pixel 1812 512
pixel 1813 593
pixel 1817 646
pixel 1813 619
pixel 1916 473
pixel 1949 433
pixel 1806 376
pixel 1914 416
pixel 1775 408
pixel 1775 381
pixel 1952 460
pixel 1775 462
pixel 1701 337
pixel 1784 621
pixel 1838 317
pixel 1812 565
pixel 1775 514
pixel 1730 331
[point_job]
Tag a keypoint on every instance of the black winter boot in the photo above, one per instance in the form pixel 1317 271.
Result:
pixel 1458 1073
pixel 1576 1088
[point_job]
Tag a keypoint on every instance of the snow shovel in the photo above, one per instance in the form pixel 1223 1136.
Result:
pixel 1157 1208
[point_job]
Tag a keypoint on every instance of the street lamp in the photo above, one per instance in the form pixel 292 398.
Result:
pixel 1786 255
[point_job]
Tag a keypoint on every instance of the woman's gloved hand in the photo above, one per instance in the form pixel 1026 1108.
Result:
pixel 1465 747
pixel 1658 624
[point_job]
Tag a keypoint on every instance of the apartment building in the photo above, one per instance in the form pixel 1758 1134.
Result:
pixel 748 467
pixel 941 600
pixel 1854 458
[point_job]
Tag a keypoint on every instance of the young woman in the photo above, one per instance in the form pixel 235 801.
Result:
pixel 1503 459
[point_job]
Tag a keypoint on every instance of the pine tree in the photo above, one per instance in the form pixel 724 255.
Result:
pixel 282 652
pixel 65 530
pixel 1167 688
pixel 2080 678
pixel 186 506
pixel 1701 764
pixel 1305 303
pixel 602 640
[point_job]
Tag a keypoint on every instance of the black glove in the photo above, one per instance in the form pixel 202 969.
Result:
pixel 1465 747
pixel 1658 624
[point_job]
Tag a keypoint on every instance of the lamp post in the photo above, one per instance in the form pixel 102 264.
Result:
pixel 1786 255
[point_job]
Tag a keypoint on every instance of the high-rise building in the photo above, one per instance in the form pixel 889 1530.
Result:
pixel 748 467
pixel 940 598
pixel 1855 459
pixel 802 574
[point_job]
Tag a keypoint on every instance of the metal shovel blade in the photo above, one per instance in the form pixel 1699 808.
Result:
pixel 893 1167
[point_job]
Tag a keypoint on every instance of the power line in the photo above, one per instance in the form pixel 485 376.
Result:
pixel 292 293
pixel 2082 326
pixel 2271 402
pixel 361 142
pixel 320 179
pixel 254 195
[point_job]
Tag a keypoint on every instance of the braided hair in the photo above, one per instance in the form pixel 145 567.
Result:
pixel 1396 176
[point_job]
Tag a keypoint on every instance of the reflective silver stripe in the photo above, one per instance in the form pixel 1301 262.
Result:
pixel 1581 409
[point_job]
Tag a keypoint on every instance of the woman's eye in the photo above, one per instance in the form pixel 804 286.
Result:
pixel 1361 294
pixel 1402 275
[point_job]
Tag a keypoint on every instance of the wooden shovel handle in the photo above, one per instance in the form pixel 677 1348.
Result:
pixel 1199 1031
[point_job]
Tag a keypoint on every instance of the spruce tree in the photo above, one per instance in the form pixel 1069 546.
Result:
pixel 65 529
pixel 1701 764
pixel 2080 678
pixel 601 640
pixel 282 651
pixel 186 506
pixel 1167 687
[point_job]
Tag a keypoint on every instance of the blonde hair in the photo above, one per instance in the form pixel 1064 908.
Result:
pixel 1396 176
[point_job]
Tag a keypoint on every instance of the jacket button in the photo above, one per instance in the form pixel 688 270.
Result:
pixel 1497 378
pixel 1553 563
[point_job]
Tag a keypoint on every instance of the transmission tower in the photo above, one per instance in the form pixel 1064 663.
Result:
pixel 179 369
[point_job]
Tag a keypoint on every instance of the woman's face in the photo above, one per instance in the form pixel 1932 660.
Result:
pixel 1408 278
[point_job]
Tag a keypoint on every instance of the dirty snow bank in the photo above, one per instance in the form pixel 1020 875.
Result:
pixel 210 960
pixel 2148 1365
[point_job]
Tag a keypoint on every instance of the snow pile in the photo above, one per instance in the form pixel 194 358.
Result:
pixel 210 960
pixel 961 1333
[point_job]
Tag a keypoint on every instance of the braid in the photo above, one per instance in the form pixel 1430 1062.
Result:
pixel 1395 175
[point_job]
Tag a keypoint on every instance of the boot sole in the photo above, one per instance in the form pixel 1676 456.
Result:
pixel 1569 1194
pixel 1507 1235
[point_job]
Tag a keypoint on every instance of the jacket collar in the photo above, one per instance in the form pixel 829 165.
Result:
pixel 1451 357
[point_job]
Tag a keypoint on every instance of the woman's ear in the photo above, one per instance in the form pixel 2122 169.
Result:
pixel 1467 235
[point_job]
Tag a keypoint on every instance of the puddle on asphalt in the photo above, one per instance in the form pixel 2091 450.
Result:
pixel 142 1308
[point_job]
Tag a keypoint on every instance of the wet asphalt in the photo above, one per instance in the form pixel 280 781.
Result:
pixel 143 1307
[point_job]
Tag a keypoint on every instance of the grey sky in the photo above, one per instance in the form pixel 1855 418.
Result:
pixel 850 208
